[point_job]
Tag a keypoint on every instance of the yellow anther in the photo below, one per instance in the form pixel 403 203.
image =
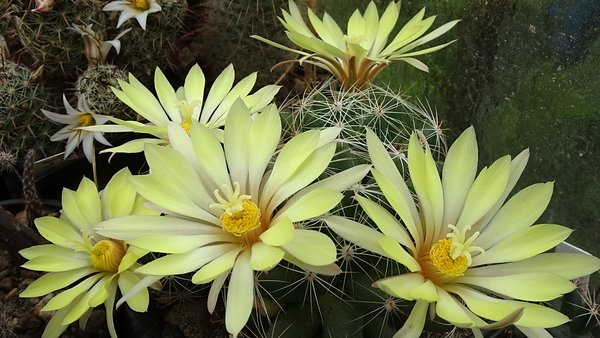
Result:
pixel 107 255
pixel 140 4
pixel 86 120
pixel 452 256
pixel 186 125
pixel 440 257
pixel 242 221
pixel 240 215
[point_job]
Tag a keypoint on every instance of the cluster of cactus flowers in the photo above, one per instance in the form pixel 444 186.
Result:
pixel 339 178
pixel 75 43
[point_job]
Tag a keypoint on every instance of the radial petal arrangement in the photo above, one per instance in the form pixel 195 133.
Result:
pixel 357 57
pixel 133 8
pixel 230 211
pixel 183 105
pixel 91 266
pixel 75 120
pixel 472 256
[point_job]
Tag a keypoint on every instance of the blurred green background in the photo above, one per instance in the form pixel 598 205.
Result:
pixel 526 74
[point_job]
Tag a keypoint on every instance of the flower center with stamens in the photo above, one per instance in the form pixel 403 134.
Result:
pixel 140 4
pixel 187 110
pixel 452 256
pixel 86 120
pixel 240 215
pixel 107 255
pixel 440 256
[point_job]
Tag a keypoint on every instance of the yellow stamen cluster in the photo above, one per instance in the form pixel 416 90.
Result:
pixel 242 221
pixel 107 255
pixel 187 126
pixel 140 4
pixel 440 256
pixel 452 256
pixel 187 110
pixel 86 120
pixel 240 215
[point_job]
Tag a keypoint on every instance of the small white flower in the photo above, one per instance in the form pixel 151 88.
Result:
pixel 96 49
pixel 133 8
pixel 42 6
pixel 75 118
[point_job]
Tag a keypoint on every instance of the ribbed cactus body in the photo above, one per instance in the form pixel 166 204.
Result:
pixel 48 38
pixel 7 18
pixel 144 50
pixel 96 82
pixel 388 113
pixel 22 125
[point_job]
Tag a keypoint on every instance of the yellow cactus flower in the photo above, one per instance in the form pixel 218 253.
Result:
pixel 78 253
pixel 226 214
pixel 469 255
pixel 357 57
pixel 183 105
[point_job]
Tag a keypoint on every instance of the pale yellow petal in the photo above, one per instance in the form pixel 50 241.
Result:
pixel 485 192
pixel 517 165
pixel 118 197
pixel 194 85
pixel 166 95
pixel 531 286
pixel 82 305
pixel 394 251
pixel 312 247
pixel 524 243
pixel 289 159
pixel 174 264
pixel 240 295
pixel 178 243
pixel 326 270
pixel 263 145
pixel 279 234
pixel 265 257
pixel 450 309
pixel 45 249
pixel 139 302
pixel 387 223
pixel 428 186
pixel 413 327
pixel 66 297
pixel 54 281
pixel 219 89
pixel 313 204
pixel 359 234
pixel 567 265
pixel 400 286
pixel 521 211
pixel 403 205
pixel 534 315
pixel 216 267
pixel 237 147
pixel 460 168
pixel 58 263
pixel 311 169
